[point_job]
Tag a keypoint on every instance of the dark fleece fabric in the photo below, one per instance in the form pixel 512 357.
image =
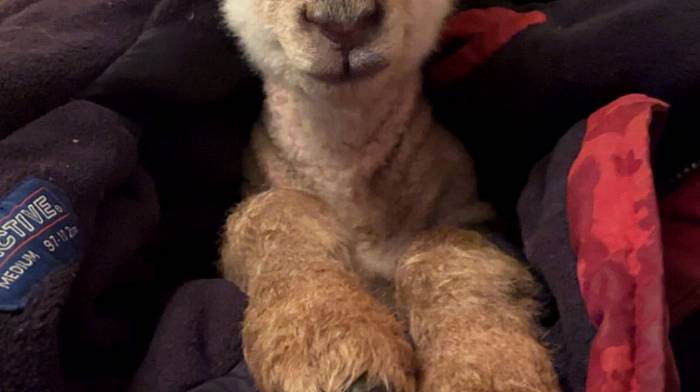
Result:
pixel 91 153
pixel 139 110
pixel 101 98
pixel 190 348
pixel 545 230
pixel 51 49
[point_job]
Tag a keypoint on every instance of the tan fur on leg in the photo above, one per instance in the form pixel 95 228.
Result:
pixel 470 308
pixel 310 326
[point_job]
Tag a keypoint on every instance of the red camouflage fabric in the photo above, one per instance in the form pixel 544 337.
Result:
pixel 488 30
pixel 616 234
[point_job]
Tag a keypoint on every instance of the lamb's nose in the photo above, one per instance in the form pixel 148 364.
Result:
pixel 346 31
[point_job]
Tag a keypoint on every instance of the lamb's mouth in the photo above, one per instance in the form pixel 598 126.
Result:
pixel 357 65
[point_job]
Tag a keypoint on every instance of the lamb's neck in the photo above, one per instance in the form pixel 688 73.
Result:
pixel 352 133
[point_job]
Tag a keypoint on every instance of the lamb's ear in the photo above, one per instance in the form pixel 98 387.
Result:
pixel 230 10
pixel 240 18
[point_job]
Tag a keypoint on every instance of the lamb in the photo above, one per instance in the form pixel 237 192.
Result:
pixel 357 241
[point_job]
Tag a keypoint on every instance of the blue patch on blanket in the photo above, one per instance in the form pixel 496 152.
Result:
pixel 38 233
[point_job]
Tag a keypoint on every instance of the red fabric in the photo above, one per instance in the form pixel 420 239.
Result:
pixel 615 233
pixel 486 31
pixel 680 217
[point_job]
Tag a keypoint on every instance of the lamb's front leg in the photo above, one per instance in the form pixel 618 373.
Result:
pixel 470 311
pixel 310 326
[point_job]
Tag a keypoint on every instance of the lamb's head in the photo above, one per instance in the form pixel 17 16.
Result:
pixel 329 43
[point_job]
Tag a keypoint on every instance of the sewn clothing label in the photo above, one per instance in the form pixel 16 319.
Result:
pixel 38 233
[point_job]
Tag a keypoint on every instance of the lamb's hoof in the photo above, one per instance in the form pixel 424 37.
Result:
pixel 363 385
